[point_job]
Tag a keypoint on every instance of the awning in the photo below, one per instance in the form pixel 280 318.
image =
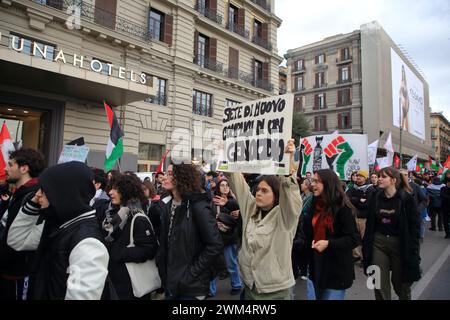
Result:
pixel 28 72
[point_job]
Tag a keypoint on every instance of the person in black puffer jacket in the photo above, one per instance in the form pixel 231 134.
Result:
pixel 190 242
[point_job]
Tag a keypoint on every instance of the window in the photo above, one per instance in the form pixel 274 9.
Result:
pixel 151 152
pixel 320 58
pixel 155 25
pixel 345 54
pixel 202 50
pixel 201 103
pixel 320 123
pixel 344 74
pixel 105 67
pixel 320 101
pixel 321 98
pixel 320 79
pixel 33 47
pixel 344 97
pixel 257 29
pixel 231 103
pixel 299 83
pixel 299 64
pixel 298 103
pixel 258 71
pixel 344 121
pixel 232 17
pixel 160 97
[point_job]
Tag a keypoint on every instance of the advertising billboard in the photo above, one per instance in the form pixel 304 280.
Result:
pixel 408 103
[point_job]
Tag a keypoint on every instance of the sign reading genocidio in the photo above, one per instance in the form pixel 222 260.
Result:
pixel 255 134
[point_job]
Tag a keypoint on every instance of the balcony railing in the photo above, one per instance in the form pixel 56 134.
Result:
pixel 247 78
pixel 210 64
pixel 344 59
pixel 343 81
pixel 319 85
pixel 263 43
pixel 160 99
pixel 263 4
pixel 101 17
pixel 210 14
pixel 239 30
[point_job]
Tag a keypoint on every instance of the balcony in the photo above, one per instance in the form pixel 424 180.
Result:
pixel 208 13
pixel 160 99
pixel 239 30
pixel 298 71
pixel 282 90
pixel 263 4
pixel 320 85
pixel 263 43
pixel 247 78
pixel 433 137
pixel 259 83
pixel 101 17
pixel 210 64
pixel 344 81
pixel 344 60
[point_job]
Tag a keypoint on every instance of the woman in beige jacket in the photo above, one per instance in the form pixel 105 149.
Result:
pixel 269 224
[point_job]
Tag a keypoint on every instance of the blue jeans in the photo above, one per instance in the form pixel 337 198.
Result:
pixel 330 294
pixel 230 255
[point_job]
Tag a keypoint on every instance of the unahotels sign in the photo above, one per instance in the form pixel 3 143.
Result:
pixel 35 48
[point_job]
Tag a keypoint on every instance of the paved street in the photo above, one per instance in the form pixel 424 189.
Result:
pixel 434 285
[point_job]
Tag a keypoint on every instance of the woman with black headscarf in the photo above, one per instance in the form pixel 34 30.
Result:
pixel 71 260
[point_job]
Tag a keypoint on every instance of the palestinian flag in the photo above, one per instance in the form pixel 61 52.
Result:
pixel 433 164
pixel 114 149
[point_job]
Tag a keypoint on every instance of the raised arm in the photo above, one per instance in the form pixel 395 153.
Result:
pixel 246 201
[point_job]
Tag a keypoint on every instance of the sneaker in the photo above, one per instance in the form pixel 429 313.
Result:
pixel 304 278
pixel 432 229
pixel 235 292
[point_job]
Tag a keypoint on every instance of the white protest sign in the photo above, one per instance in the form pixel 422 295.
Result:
pixel 255 134
pixel 342 153
pixel 372 152
pixel 73 153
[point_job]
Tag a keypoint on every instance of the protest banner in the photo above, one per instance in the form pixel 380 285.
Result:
pixel 73 153
pixel 255 134
pixel 342 153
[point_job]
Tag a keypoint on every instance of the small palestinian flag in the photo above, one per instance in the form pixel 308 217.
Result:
pixel 114 149
pixel 433 164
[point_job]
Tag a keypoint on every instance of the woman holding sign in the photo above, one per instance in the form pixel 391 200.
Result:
pixel 269 223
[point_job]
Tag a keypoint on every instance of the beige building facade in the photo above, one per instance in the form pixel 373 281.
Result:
pixel 440 136
pixel 168 68
pixel 345 82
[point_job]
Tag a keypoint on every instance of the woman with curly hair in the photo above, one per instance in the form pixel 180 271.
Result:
pixel 189 237
pixel 127 197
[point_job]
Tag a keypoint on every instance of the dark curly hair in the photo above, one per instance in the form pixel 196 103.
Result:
pixel 187 178
pixel 30 157
pixel 129 188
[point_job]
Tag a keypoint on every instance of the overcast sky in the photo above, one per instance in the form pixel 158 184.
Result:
pixel 422 27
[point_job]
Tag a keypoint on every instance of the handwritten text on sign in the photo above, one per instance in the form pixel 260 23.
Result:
pixel 255 135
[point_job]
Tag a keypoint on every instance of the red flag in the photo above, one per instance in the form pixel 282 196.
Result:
pixel 417 168
pixel 397 161
pixel 161 163
pixel 5 147
pixel 447 163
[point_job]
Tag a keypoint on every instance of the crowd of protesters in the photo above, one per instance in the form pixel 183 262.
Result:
pixel 73 232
